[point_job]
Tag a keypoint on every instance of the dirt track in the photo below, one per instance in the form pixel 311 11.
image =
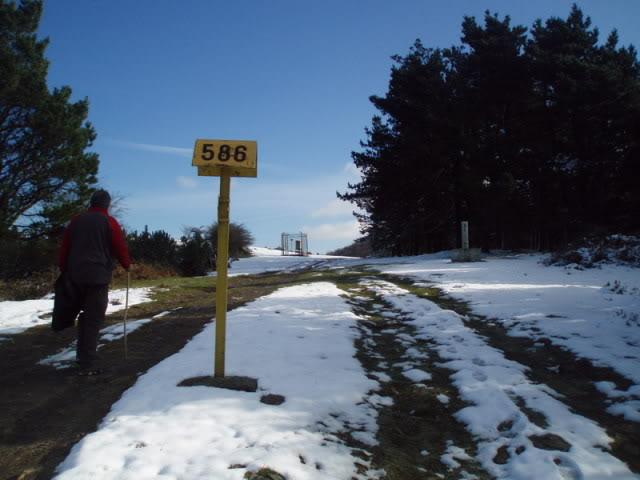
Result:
pixel 416 421
pixel 44 411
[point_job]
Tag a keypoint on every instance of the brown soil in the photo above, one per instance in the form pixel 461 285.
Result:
pixel 44 411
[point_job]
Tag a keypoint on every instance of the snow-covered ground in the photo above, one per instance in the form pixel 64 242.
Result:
pixel 493 386
pixel 17 316
pixel 271 260
pixel 298 342
pixel 595 313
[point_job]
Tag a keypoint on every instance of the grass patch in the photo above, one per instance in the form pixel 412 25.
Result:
pixel 430 293
pixel 174 292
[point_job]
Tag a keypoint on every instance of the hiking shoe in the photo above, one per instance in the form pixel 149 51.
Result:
pixel 90 372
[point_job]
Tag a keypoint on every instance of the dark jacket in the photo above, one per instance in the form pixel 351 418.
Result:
pixel 90 243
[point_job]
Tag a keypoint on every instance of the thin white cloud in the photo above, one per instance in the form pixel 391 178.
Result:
pixel 301 196
pixel 186 182
pixel 352 170
pixel 335 208
pixel 266 207
pixel 251 196
pixel 173 202
pixel 334 231
pixel 147 147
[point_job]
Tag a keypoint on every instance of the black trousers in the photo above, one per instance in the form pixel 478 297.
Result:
pixel 93 300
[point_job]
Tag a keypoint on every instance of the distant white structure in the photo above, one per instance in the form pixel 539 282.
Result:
pixel 294 244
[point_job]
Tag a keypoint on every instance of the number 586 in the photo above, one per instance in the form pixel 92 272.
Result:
pixel 224 153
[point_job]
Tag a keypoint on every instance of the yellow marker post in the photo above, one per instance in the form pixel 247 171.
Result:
pixel 222 262
pixel 224 159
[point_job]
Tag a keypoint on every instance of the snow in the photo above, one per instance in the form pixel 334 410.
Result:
pixel 18 316
pixel 136 296
pixel 416 375
pixel 595 313
pixel 65 357
pixel 629 410
pixel 265 251
pixel 271 260
pixel 493 386
pixel 299 342
pixel 383 377
pixel 451 454
pixel 628 401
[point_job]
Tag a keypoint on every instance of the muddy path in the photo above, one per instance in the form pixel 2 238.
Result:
pixel 417 429
pixel 547 365
pixel 551 365
pixel 45 411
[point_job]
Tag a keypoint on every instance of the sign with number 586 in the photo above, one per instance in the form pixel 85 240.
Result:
pixel 237 158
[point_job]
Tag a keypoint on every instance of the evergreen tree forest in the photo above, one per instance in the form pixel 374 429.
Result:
pixel 530 134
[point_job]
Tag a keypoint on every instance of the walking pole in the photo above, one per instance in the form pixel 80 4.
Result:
pixel 126 311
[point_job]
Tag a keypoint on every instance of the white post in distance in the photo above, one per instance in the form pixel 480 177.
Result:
pixel 465 235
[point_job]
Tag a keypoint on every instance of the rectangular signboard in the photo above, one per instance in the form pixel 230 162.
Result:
pixel 239 158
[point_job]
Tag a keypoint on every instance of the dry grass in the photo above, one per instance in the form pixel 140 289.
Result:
pixel 143 271
pixel 40 284
pixel 35 286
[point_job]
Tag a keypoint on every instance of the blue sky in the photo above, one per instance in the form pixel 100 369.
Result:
pixel 293 75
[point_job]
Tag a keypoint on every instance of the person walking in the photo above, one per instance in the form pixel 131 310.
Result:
pixel 90 243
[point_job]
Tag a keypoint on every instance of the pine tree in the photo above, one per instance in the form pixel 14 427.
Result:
pixel 586 95
pixel 195 253
pixel 533 138
pixel 493 94
pixel 45 172
pixel 406 164
pixel 156 248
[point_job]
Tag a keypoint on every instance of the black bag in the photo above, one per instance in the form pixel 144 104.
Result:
pixel 66 304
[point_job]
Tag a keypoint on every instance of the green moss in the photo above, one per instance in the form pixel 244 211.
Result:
pixel 432 293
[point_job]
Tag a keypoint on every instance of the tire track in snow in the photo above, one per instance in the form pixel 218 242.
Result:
pixel 523 430
pixel 416 430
